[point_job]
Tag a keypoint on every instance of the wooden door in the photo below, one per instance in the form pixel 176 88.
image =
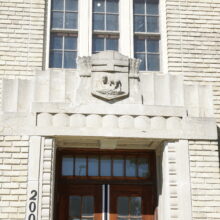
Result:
pixel 91 185
pixel 80 202
pixel 132 202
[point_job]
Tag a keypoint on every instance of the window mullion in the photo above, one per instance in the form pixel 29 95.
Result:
pixel 126 27
pixel 105 15
pixel 146 53
pixel 64 13
pixel 63 51
pixel 145 16
pixel 84 27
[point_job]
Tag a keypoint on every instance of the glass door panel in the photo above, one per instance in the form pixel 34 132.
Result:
pixel 129 208
pixel 135 205
pixel 132 202
pixel 81 207
pixel 80 202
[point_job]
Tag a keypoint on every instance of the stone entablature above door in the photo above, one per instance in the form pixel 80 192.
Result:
pixel 125 103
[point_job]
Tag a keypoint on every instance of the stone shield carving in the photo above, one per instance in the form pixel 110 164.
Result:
pixel 110 85
pixel 110 75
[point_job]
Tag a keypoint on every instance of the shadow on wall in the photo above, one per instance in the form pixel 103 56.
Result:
pixel 159 185
pixel 218 130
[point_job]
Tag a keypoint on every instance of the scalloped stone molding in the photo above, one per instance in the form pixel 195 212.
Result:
pixel 108 121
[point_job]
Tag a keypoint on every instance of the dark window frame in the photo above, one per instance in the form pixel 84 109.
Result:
pixel 148 154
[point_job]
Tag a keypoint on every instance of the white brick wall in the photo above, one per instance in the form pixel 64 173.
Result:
pixel 13 176
pixel 205 179
pixel 21 36
pixel 193 33
pixel 14 152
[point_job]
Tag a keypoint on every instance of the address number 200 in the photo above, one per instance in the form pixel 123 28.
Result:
pixel 32 205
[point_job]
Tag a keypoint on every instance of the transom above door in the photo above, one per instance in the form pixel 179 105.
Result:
pixel 105 185
pixel 102 165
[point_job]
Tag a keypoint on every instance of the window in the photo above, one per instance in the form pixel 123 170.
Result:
pixel 106 165
pixel 63 38
pixel 105 25
pixel 146 34
pixel 98 30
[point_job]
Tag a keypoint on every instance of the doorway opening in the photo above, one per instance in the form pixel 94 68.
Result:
pixel 93 184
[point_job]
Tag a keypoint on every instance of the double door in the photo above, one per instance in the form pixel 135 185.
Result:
pixel 106 202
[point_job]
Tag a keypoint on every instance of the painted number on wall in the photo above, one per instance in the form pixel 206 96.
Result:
pixel 32 205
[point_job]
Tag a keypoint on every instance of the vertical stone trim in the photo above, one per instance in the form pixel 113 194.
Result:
pixel 40 178
pixel 126 32
pixel 85 28
pixel 33 177
pixel 164 198
pixel 183 177
pixel 174 179
pixel 47 179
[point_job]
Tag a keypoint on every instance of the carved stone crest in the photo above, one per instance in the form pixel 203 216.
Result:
pixel 113 76
pixel 110 75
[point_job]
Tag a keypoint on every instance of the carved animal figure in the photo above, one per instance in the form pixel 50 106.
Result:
pixel 117 84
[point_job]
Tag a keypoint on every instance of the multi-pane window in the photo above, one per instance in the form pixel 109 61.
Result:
pixel 106 166
pixel 105 25
pixel 103 42
pixel 63 40
pixel 146 33
pixel 105 17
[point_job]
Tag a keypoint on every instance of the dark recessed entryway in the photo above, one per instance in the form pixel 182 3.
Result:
pixel 105 184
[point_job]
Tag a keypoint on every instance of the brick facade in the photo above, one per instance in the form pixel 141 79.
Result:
pixel 205 179
pixel 193 50
pixel 13 181
pixel 22 36
pixel 193 45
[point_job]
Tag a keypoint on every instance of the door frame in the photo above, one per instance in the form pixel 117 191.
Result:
pixel 65 183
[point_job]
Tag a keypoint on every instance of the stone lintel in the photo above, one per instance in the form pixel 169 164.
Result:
pixel 161 128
